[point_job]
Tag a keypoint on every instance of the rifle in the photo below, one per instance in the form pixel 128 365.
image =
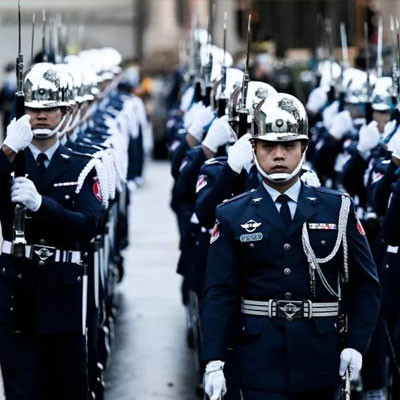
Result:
pixel 222 101
pixel 394 29
pixel 243 112
pixel 345 64
pixel 345 387
pixel 197 65
pixel 19 240
pixel 328 29
pixel 368 104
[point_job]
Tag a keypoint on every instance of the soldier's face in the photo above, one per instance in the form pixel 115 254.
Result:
pixel 278 157
pixel 48 118
pixel 382 118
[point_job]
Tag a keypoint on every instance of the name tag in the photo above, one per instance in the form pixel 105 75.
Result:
pixel 251 237
pixel 323 226
pixel 392 249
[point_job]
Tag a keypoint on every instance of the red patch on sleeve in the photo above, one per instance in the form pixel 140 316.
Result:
pixel 215 232
pixel 96 191
pixel 360 228
pixel 201 183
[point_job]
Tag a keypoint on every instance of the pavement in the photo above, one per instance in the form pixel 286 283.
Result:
pixel 150 359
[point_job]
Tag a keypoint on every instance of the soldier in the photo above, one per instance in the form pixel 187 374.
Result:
pixel 284 261
pixel 45 355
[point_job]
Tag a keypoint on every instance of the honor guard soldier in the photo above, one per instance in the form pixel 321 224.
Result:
pixel 43 293
pixel 288 265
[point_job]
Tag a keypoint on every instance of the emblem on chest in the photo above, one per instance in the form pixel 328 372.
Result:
pixel 251 226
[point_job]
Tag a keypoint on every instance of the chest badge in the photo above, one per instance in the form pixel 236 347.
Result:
pixel 251 237
pixel 322 226
pixel 251 226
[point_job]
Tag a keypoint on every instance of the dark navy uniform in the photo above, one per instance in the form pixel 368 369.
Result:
pixel 260 261
pixel 50 283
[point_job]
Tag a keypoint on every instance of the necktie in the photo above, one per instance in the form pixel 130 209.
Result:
pixel 284 211
pixel 41 162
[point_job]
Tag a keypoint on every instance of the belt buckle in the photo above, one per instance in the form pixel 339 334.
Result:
pixel 289 309
pixel 43 253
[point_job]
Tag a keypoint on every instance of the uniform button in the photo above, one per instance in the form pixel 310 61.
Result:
pixel 287 271
pixel 79 278
pixel 287 246
pixel 41 263
pixel 288 295
pixel 323 242
pixel 387 266
pixel 251 245
pixel 11 308
pixel 42 241
pixel 3 270
pixel 67 197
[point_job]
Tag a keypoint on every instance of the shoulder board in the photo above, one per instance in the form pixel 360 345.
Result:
pixel 216 160
pixel 77 153
pixel 239 196
pixel 331 191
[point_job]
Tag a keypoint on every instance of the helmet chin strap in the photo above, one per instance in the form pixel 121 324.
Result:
pixel 45 133
pixel 280 177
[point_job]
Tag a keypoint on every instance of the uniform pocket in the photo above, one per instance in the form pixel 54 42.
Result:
pixel 252 326
pixel 72 274
pixel 325 325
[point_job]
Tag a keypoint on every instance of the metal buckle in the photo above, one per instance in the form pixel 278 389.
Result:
pixel 43 253
pixel 289 309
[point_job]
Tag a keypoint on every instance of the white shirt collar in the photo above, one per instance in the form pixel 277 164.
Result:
pixel 49 152
pixel 293 192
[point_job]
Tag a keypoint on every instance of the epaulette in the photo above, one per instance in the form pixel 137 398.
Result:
pixel 239 196
pixel 216 160
pixel 332 191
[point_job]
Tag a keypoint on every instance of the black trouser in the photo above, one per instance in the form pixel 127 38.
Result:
pixel 19 365
pixel 323 394
pixel 62 366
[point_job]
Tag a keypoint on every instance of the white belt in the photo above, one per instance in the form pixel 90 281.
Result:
pixel 44 253
pixel 289 309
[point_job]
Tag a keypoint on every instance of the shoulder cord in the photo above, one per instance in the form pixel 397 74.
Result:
pixel 314 262
pixel 101 174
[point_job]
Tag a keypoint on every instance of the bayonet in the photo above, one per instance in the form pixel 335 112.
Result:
pixel 379 60
pixel 208 68
pixel 243 112
pixel 33 37
pixel 345 64
pixel 223 98
pixel 44 28
pixel 328 29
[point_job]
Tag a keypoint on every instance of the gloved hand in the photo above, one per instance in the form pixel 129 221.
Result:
pixel 189 114
pixel 369 138
pixel 316 100
pixel 394 145
pixel 351 359
pixel 23 191
pixel 186 99
pixel 220 133
pixel 201 119
pixel 19 134
pixel 341 124
pixel 240 154
pixel 214 380
pixel 329 114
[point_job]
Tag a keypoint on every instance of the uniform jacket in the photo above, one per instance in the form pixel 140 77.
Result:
pixel 65 220
pixel 278 354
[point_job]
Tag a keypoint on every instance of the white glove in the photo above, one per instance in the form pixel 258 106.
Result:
pixel 317 99
pixel 201 119
pixel 369 138
pixel 351 359
pixel 214 380
pixel 220 133
pixel 189 114
pixel 23 191
pixel 394 145
pixel 187 98
pixel 240 154
pixel 341 124
pixel 329 114
pixel 19 134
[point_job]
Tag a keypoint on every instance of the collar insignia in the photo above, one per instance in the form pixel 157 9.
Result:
pixel 312 198
pixel 66 156
pixel 257 199
pixel 251 226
